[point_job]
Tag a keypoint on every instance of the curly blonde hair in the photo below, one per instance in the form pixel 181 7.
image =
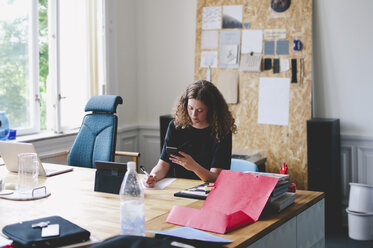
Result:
pixel 219 117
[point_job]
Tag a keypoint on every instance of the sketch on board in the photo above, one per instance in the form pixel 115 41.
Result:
pixel 228 55
pixel 211 17
pixel 229 48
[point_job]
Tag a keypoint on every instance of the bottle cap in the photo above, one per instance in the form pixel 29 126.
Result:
pixel 131 165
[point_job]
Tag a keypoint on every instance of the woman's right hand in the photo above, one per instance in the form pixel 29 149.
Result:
pixel 150 181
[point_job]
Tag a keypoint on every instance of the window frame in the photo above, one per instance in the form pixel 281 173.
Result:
pixel 53 97
pixel 54 80
pixel 33 70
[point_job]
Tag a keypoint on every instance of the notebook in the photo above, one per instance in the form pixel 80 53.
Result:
pixel 197 192
pixel 9 153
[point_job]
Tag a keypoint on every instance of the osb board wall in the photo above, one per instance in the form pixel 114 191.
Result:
pixel 280 143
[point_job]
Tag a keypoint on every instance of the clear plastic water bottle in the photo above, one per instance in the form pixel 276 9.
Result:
pixel 132 212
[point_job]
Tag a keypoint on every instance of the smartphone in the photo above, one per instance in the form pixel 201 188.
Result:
pixel 172 150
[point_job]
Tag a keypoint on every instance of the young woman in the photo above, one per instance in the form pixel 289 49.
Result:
pixel 201 132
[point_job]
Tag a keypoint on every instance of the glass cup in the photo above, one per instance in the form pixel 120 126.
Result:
pixel 28 172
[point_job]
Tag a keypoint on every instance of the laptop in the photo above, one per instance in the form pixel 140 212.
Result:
pixel 9 153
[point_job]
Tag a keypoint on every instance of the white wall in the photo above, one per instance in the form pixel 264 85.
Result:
pixel 122 57
pixel 165 53
pixel 343 63
pixel 155 59
pixel 151 58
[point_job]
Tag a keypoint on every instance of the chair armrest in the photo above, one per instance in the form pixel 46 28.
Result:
pixel 134 156
pixel 127 154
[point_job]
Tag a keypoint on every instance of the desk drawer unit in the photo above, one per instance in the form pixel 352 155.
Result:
pixel 306 230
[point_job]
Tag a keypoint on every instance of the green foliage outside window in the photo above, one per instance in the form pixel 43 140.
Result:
pixel 13 71
pixel 14 68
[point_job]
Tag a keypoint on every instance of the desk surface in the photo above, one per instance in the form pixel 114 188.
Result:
pixel 73 198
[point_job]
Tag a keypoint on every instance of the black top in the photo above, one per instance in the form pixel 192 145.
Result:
pixel 201 145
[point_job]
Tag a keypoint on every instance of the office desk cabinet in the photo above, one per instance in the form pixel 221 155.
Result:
pixel 301 225
pixel 73 198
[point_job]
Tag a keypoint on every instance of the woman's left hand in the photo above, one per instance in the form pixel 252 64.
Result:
pixel 185 160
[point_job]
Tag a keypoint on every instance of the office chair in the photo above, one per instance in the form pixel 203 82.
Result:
pixel 243 165
pixel 96 139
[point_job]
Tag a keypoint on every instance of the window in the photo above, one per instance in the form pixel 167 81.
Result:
pixel 51 61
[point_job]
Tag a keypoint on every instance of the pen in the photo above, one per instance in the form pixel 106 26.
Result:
pixel 142 168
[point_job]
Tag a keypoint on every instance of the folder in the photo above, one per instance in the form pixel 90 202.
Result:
pixel 237 200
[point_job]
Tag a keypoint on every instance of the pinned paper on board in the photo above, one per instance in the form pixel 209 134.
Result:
pixel 211 17
pixel 282 47
pixel 232 16
pixel 251 63
pixel 273 105
pixel 284 65
pixel 252 41
pixel 228 86
pixel 225 209
pixel 273 34
pixel 209 59
pixel 209 39
pixel 228 55
pixel 229 48
pixel 269 47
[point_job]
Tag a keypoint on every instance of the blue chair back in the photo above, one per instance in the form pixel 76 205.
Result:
pixel 243 165
pixel 96 139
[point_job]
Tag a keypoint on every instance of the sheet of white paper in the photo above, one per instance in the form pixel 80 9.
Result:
pixel 273 106
pixel 211 17
pixel 191 233
pixel 230 37
pixel 208 74
pixel 209 59
pixel 4 241
pixel 252 41
pixel 161 184
pixel 209 39
pixel 274 34
pixel 284 65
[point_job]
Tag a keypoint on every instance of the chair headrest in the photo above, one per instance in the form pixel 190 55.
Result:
pixel 103 103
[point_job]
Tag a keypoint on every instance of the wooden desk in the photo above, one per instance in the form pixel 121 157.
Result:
pixel 73 198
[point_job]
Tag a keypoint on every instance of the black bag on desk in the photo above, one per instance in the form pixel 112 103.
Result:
pixel 109 176
pixel 24 235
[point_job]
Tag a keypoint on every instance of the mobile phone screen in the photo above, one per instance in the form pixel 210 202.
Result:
pixel 172 150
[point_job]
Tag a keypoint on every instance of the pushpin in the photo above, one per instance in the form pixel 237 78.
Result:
pixel 284 168
pixel 297 45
